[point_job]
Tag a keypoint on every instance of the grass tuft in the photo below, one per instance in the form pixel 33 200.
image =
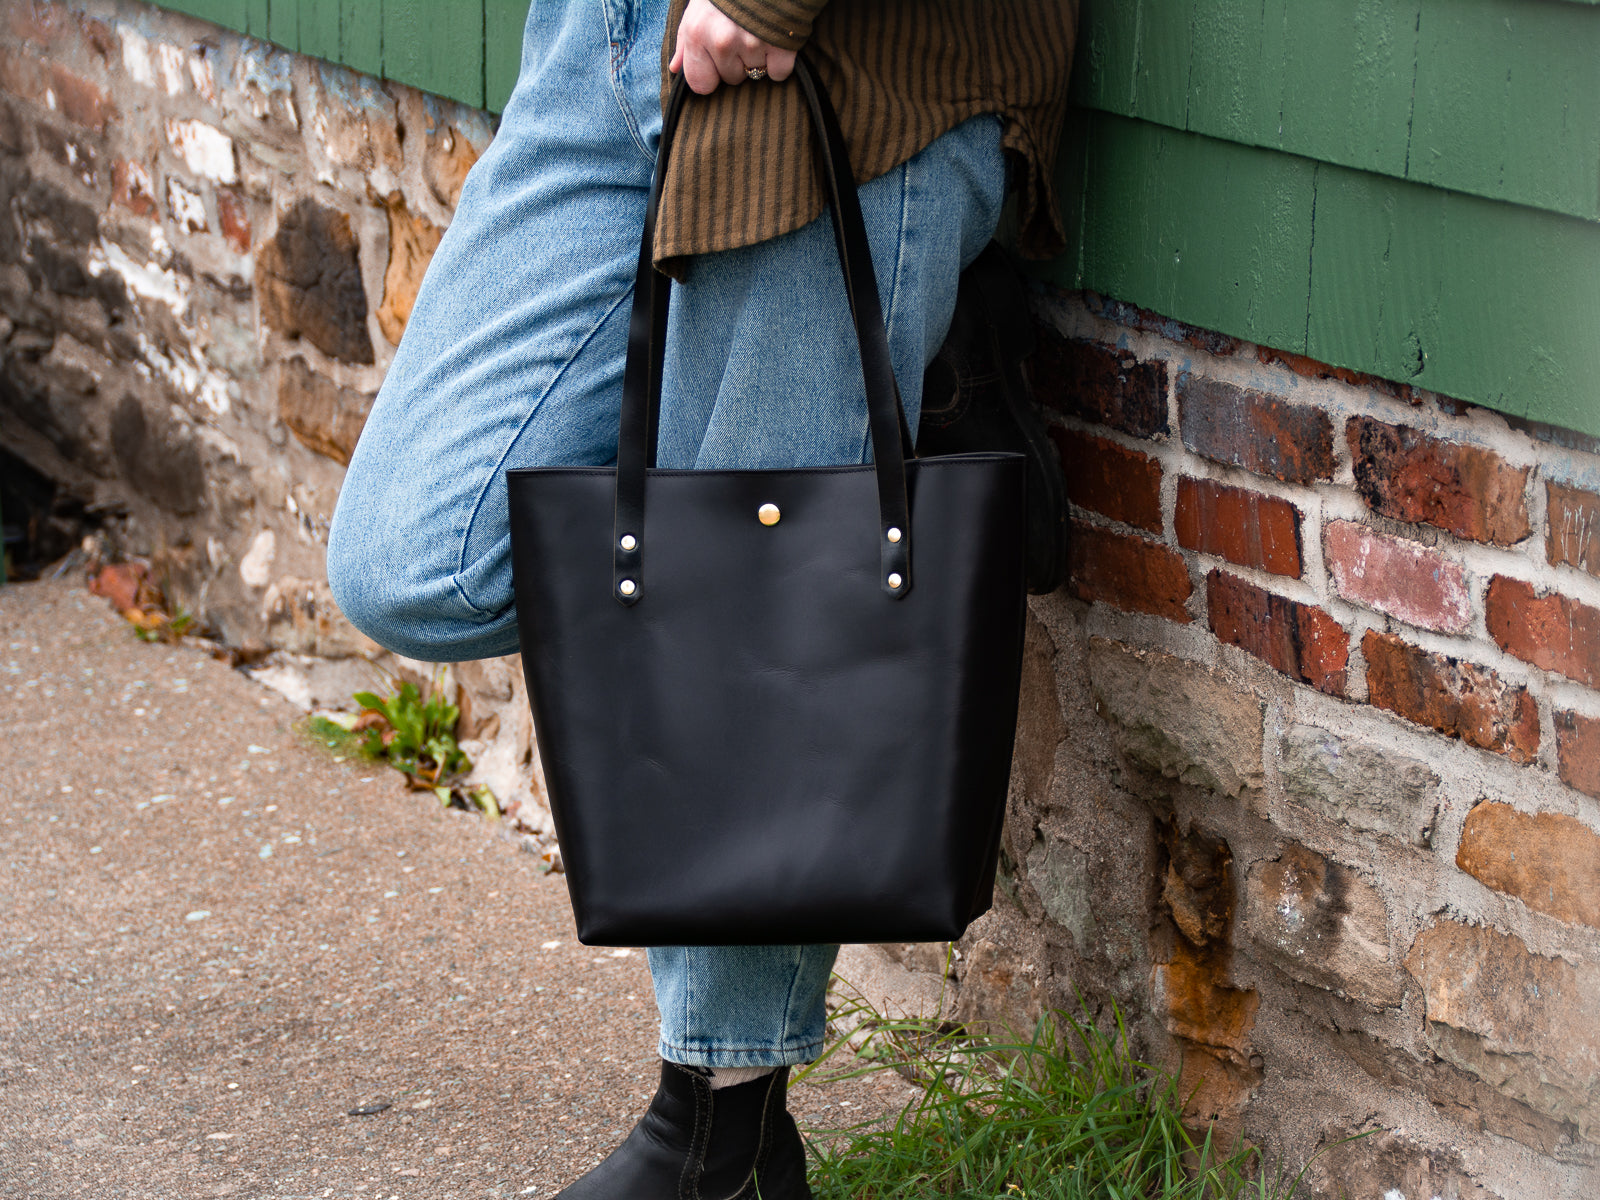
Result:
pixel 1065 1114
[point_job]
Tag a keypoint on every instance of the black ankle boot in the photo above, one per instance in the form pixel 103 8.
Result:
pixel 735 1143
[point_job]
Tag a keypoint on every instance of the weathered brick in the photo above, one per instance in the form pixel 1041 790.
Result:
pixel 72 152
pixel 1100 383
pixel 1578 747
pixel 1179 719
pixel 1452 697
pixel 1365 785
pixel 1300 640
pixel 1548 861
pixel 324 416
pixel 1130 573
pixel 132 188
pixel 1553 632
pixel 1406 580
pixel 1321 924
pixel 1110 479
pixel 1527 1023
pixel 309 280
pixel 412 240
pixel 159 455
pixel 186 207
pixel 1254 430
pixel 1240 525
pixel 1470 492
pixel 1574 528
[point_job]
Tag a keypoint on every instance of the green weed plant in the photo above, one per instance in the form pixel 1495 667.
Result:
pixel 1067 1113
pixel 414 732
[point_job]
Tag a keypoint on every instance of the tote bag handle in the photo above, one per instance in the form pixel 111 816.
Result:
pixel 647 349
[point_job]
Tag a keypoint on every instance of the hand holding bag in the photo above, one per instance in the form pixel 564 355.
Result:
pixel 773 706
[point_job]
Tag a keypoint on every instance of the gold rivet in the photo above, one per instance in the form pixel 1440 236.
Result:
pixel 895 580
pixel 628 541
pixel 627 587
pixel 769 514
pixel 894 533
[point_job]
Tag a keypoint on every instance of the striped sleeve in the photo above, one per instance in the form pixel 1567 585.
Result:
pixel 786 24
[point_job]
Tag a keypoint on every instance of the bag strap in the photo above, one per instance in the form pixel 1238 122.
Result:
pixel 891 437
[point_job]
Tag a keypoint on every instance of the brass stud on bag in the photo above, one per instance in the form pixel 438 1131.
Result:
pixel 894 533
pixel 627 587
pixel 628 541
pixel 769 514
pixel 894 579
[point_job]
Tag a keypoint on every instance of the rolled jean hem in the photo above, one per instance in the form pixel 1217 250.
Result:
pixel 740 1056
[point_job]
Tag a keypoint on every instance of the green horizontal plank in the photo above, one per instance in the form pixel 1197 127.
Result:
pixel 502 48
pixel 435 47
pixel 361 35
pixel 1492 97
pixel 319 29
pixel 1476 299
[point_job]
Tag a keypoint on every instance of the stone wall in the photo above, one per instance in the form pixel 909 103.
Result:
pixel 1308 777
pixel 1311 759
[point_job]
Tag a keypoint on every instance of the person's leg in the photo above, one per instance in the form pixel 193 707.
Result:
pixel 762 371
pixel 514 351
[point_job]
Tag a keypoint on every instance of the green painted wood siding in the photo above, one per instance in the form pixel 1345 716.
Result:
pixel 1406 187
pixel 467 50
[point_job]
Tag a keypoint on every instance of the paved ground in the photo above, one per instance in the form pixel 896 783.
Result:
pixel 216 944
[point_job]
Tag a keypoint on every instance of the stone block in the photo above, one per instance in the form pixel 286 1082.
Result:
pixel 1554 632
pixel 131 187
pixel 1130 573
pixel 1578 747
pixel 449 156
pixel 1110 479
pixel 80 101
pixel 355 120
pixel 1461 1096
pixel 186 207
pixel 206 150
pixel 1179 719
pixel 1254 430
pixel 309 280
pixel 233 215
pixel 1059 874
pixel 1574 528
pixel 999 988
pixel 1198 1004
pixel 302 618
pixel 1361 784
pixel 159 455
pixel 412 241
pixel 1385 1165
pixel 1300 640
pixel 1526 1024
pixel 1455 698
pixel 1409 581
pixel 1320 923
pixel 1240 525
pixel 1099 383
pixel 71 152
pixel 1470 492
pixel 325 417
pixel 1548 861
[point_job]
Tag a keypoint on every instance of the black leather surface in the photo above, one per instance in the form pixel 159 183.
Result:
pixel 764 743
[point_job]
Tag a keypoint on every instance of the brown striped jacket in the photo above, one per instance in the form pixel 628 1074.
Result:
pixel 900 72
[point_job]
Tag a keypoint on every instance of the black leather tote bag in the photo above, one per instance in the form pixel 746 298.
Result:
pixel 773 706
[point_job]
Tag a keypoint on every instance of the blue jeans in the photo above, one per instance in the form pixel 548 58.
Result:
pixel 513 357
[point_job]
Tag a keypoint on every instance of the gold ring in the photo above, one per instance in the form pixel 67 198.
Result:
pixel 755 72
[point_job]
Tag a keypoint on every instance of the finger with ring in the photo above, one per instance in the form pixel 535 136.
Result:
pixel 755 72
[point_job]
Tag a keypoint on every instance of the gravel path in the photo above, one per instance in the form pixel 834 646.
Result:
pixel 217 944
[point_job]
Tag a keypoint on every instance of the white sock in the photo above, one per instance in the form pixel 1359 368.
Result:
pixel 722 1077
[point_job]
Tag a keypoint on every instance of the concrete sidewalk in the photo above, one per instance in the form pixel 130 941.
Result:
pixel 217 944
